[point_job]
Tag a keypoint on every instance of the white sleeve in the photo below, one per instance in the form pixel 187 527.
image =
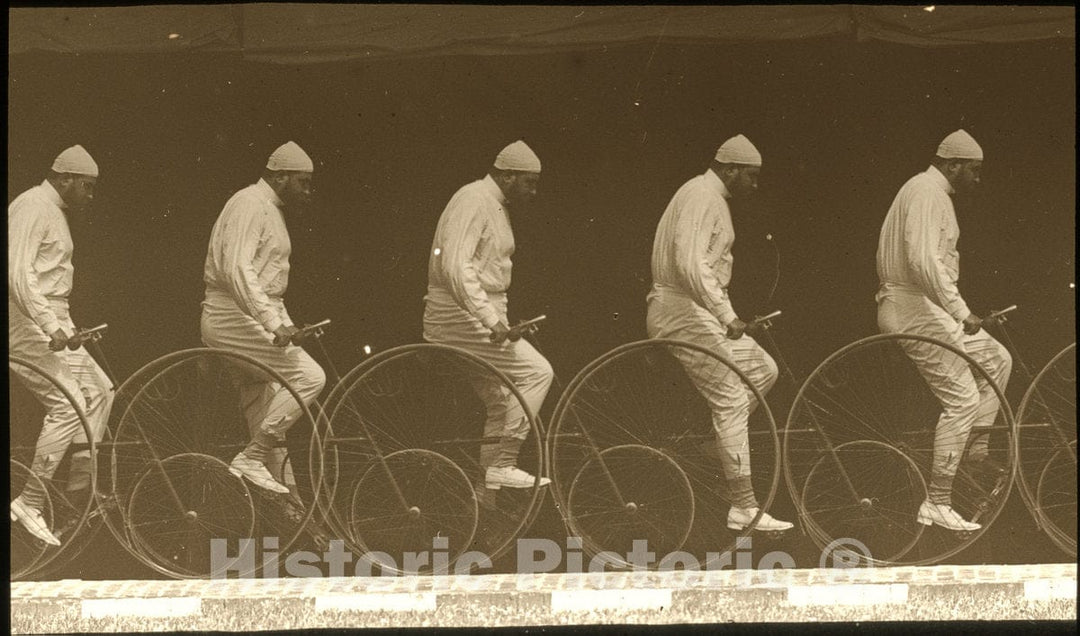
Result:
pixel 925 244
pixel 463 229
pixel 241 238
pixel 697 230
pixel 27 229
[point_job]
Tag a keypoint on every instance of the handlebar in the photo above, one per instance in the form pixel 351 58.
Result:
pixel 517 331
pixel 93 334
pixel 316 330
pixel 524 324
pixel 765 320
pixel 999 315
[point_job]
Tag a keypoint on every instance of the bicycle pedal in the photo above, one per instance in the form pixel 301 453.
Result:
pixel 319 537
pixel 96 513
pixel 60 533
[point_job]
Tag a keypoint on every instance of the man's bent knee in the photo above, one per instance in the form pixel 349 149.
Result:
pixel 771 373
pixel 312 379
pixel 318 379
pixel 1004 366
pixel 543 371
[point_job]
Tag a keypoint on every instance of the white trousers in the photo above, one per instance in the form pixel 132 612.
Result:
pixel 447 323
pixel 76 371
pixel 268 407
pixel 679 317
pixel 967 399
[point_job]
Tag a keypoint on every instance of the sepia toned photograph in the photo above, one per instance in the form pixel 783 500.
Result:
pixel 481 316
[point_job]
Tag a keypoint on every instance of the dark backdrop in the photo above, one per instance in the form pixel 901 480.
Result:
pixel 841 124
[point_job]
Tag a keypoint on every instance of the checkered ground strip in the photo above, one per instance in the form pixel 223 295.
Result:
pixel 556 593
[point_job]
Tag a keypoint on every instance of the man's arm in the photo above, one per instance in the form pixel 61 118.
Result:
pixel 27 229
pixel 925 242
pixel 240 241
pixel 461 235
pixel 696 232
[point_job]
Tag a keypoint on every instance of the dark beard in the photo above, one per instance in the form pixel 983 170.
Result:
pixel 295 206
pixel 517 205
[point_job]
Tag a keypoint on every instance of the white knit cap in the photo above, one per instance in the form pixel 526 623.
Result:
pixel 739 150
pixel 75 160
pixel 960 145
pixel 291 157
pixel 518 156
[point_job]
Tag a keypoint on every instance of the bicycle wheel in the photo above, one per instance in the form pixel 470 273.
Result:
pixel 27 412
pixel 129 389
pixel 414 502
pixel 870 394
pixel 189 512
pixel 889 486
pixel 630 493
pixel 438 398
pixel 641 395
pixel 1047 434
pixel 186 417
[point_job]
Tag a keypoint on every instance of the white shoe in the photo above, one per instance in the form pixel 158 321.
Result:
pixel 944 516
pixel 511 477
pixel 255 471
pixel 739 518
pixel 33 522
